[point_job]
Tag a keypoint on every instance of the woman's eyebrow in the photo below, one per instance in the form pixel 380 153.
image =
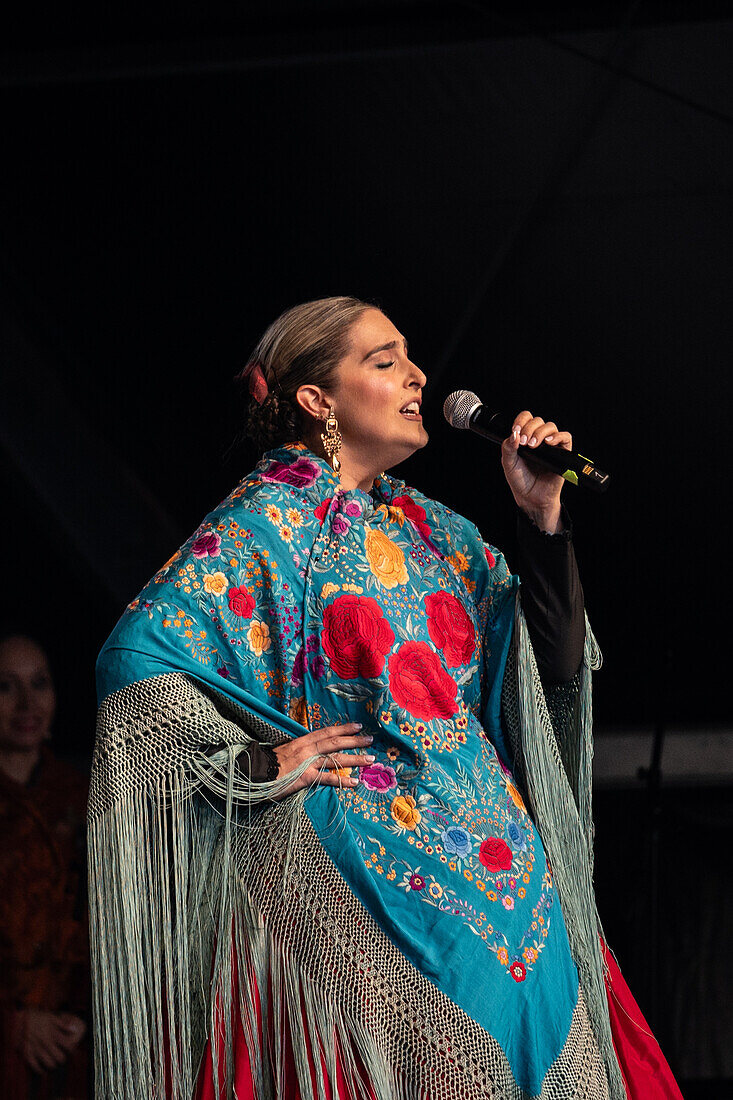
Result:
pixel 383 347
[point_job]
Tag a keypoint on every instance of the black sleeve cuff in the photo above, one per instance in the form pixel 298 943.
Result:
pixel 258 763
pixel 552 598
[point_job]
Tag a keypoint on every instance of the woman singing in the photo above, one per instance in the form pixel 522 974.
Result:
pixel 340 814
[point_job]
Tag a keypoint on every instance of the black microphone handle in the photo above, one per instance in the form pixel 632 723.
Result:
pixel 573 467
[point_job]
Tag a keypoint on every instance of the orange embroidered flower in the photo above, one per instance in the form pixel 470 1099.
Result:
pixel 215 583
pixel 299 711
pixel 515 796
pixel 258 637
pixel 386 560
pixel 405 812
pixel 502 955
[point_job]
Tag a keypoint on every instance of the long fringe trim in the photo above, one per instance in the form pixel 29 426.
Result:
pixel 560 795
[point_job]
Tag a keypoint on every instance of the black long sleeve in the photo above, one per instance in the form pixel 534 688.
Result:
pixel 552 599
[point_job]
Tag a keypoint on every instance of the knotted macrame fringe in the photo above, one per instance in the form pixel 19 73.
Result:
pixel 556 767
pixel 181 843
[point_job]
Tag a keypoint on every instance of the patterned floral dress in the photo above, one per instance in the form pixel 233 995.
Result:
pixel 386 608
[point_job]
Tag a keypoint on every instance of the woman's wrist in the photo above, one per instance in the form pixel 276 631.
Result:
pixel 548 519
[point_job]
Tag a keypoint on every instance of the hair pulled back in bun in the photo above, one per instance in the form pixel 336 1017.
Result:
pixel 303 346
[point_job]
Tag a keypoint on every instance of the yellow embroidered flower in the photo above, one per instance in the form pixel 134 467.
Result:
pixel 480 884
pixel 502 955
pixel 435 890
pixel 286 533
pixel 258 637
pixel 215 583
pixel 355 588
pixel 405 811
pixel 299 710
pixel 328 590
pixel 273 513
pixel 294 517
pixel 386 560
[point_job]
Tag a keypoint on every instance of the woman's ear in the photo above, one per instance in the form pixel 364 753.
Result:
pixel 313 401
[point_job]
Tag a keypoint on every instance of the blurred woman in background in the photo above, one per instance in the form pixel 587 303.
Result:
pixel 43 934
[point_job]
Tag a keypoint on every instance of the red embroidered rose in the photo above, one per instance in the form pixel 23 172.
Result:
pixel 489 557
pixel 356 636
pixel 320 511
pixel 241 602
pixel 450 628
pixel 420 684
pixel 414 513
pixel 495 854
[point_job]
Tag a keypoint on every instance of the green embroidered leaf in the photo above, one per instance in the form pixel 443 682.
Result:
pixel 357 693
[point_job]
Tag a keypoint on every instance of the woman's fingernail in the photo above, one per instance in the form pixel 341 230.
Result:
pixel 533 442
pixel 523 440
pixel 352 782
pixel 368 738
pixel 371 759
pixel 549 438
pixel 516 430
pixel 356 725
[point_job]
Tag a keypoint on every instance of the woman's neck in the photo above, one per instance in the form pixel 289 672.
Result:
pixel 19 766
pixel 356 471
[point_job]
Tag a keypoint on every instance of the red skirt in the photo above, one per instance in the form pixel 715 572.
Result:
pixel 646 1073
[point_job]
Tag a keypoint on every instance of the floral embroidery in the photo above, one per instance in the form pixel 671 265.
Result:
pixel 420 684
pixel 258 637
pixel 398 595
pixel 386 559
pixel 356 637
pixel 208 545
pixel 450 628
pixel 405 812
pixel 241 602
pixel 495 854
pixel 378 777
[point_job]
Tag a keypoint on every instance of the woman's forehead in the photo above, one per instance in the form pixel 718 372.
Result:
pixel 372 333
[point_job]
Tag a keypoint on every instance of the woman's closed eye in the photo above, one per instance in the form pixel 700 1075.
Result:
pixel 383 366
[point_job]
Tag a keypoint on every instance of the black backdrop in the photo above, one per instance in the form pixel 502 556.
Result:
pixel 545 213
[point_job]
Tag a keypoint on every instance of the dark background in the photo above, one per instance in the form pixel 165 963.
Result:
pixel 540 198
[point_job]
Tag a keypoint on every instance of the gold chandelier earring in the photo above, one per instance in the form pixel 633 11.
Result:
pixel 331 439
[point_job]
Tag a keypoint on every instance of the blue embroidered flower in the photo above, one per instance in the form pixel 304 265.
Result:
pixel 456 841
pixel 516 837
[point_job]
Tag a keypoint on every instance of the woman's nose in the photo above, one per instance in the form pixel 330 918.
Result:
pixel 417 377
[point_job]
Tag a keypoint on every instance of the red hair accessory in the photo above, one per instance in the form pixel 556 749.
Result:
pixel 256 380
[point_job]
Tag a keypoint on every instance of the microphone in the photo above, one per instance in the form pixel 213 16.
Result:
pixel 464 409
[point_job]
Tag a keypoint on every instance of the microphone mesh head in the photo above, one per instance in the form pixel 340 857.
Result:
pixel 458 407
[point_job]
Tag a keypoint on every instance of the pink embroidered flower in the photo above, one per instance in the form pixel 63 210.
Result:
pixel 378 777
pixel 301 474
pixel 491 560
pixel 208 545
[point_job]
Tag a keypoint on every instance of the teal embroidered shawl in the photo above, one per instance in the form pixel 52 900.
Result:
pixel 304 606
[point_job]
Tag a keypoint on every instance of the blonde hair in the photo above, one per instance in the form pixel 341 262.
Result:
pixel 303 346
